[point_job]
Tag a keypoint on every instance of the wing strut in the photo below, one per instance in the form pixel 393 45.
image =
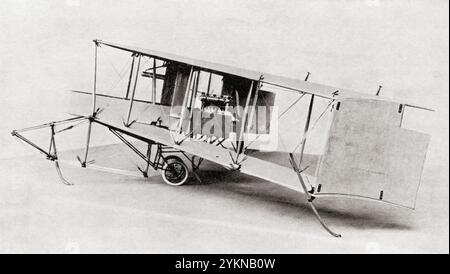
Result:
pixel 154 82
pixel 297 170
pixel 94 110
pixel 133 92
pixel 246 122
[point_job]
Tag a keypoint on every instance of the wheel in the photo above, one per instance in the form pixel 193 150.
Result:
pixel 174 171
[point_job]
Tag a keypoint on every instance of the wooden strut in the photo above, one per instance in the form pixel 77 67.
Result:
pixel 297 170
pixel 55 157
pixel 306 129
pixel 209 83
pixel 94 98
pixel 86 152
pixel 194 166
pixel 183 107
pixel 252 112
pixel 191 102
pixel 149 151
pixel 133 56
pixel 239 148
pixel 243 122
pixel 94 93
pixel 133 92
pixel 154 82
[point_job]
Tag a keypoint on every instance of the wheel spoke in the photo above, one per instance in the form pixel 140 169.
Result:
pixel 175 172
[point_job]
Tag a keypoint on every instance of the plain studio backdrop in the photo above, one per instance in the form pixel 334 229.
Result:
pixel 46 49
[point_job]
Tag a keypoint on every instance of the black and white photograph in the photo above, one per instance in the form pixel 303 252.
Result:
pixel 224 127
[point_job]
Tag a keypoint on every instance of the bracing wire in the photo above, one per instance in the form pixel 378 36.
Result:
pixel 292 105
pixel 312 127
pixel 121 74
pixel 283 146
pixel 279 116
pixel 162 111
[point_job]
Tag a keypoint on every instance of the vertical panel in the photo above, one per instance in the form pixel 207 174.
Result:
pixel 367 152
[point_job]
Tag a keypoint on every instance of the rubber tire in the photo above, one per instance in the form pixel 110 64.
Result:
pixel 172 160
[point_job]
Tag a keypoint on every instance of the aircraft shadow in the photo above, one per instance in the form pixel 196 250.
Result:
pixel 336 211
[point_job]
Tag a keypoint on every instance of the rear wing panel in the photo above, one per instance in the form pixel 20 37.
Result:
pixel 369 155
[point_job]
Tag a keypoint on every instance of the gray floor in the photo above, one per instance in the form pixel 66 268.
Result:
pixel 228 212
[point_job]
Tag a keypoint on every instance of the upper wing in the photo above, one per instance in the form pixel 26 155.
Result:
pixel 252 75
pixel 296 85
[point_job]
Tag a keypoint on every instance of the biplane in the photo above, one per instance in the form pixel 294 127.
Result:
pixel 197 110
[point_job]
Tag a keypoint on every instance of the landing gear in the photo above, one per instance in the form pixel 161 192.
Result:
pixel 174 171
